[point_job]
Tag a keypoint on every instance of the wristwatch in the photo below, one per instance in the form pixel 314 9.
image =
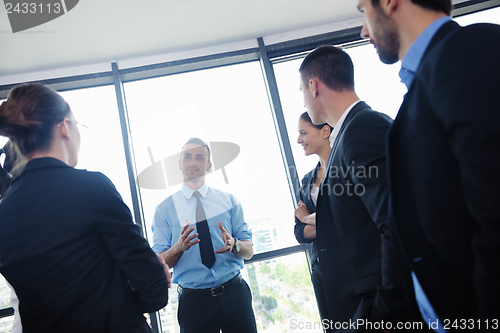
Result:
pixel 236 246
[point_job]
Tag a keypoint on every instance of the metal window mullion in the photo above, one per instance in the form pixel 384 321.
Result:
pixel 276 253
pixel 281 131
pixel 127 145
pixel 188 65
pixel 473 6
pixel 155 322
pixel 6 312
pixel 279 121
pixel 129 158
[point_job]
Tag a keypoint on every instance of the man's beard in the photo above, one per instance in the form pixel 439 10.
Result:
pixel 387 39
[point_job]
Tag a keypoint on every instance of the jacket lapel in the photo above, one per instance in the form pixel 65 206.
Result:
pixel 359 106
pixel 307 189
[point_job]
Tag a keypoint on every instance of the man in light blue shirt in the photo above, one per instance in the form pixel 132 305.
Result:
pixel 206 256
pixel 442 158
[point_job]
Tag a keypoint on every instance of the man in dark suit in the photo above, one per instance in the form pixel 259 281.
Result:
pixel 356 258
pixel 443 158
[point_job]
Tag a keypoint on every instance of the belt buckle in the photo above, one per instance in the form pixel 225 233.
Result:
pixel 214 291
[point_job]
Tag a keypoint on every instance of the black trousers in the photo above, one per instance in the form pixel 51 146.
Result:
pixel 317 281
pixel 230 311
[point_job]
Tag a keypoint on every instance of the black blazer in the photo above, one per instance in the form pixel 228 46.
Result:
pixel 356 256
pixel 69 248
pixel 305 196
pixel 444 173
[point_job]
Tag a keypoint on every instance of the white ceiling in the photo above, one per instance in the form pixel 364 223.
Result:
pixel 100 31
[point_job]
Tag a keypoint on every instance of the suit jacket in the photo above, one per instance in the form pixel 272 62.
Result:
pixel 69 248
pixel 356 255
pixel 305 196
pixel 444 173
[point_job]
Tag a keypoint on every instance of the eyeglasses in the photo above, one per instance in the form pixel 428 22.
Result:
pixel 72 121
pixel 77 123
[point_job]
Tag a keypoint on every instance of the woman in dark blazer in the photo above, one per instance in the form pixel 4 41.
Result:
pixel 315 140
pixel 68 244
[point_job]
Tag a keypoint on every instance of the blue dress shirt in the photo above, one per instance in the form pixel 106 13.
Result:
pixel 412 59
pixel 409 66
pixel 170 216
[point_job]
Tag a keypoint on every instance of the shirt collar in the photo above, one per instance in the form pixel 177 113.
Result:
pixel 188 192
pixel 412 59
pixel 337 127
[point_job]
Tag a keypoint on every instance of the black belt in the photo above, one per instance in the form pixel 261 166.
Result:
pixel 215 291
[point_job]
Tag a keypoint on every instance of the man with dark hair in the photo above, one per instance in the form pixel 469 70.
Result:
pixel 443 158
pixel 206 262
pixel 361 281
pixel 332 66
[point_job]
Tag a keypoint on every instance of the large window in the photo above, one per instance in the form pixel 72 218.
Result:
pixel 375 83
pixel 283 296
pixel 101 147
pixel 228 108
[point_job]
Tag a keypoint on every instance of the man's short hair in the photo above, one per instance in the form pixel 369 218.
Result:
pixel 331 65
pixel 444 6
pixel 200 142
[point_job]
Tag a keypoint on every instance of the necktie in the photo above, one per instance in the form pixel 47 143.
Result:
pixel 206 248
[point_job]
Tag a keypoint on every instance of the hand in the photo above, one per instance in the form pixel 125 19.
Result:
pixel 301 212
pixel 228 240
pixel 166 269
pixel 185 241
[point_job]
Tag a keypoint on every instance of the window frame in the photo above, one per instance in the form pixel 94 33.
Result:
pixel 267 55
